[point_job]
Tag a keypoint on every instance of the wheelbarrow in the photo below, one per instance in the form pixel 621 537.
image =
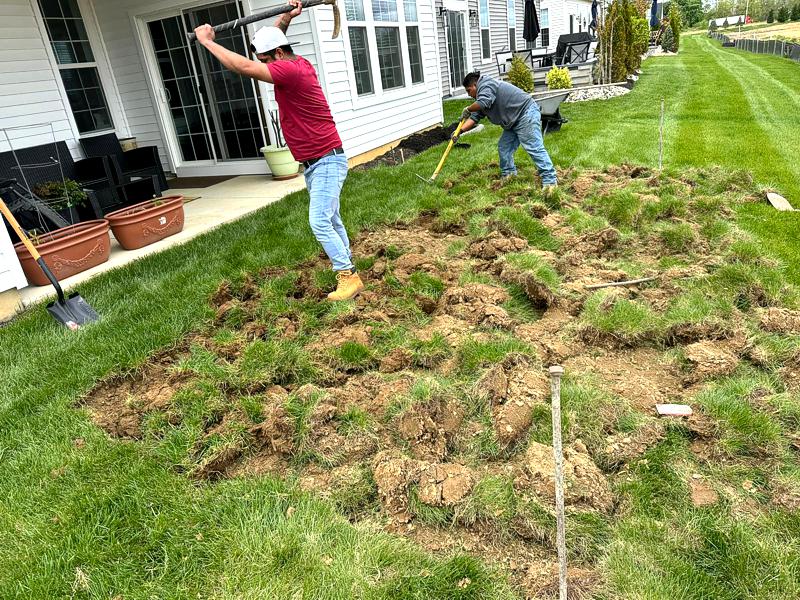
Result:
pixel 549 104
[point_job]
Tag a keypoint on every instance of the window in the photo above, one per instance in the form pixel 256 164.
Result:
pixel 483 18
pixel 394 31
pixel 545 25
pixel 414 54
pixel 572 23
pixel 512 25
pixel 77 65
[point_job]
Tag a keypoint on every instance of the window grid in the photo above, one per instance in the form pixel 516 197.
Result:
pixel 410 10
pixel 361 64
pixel 76 63
pixel 384 10
pixel 483 21
pixel 414 54
pixel 390 61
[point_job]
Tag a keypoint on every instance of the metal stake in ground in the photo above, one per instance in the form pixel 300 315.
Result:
pixel 661 137
pixel 556 372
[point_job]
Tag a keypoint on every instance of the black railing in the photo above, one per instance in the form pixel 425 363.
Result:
pixel 781 48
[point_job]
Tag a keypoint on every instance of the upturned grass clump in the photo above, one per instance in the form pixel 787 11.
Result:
pixel 353 357
pixel 676 238
pixel 427 354
pixel 622 208
pixel 536 266
pixel 473 354
pixel 607 315
pixel 518 222
pixel 279 362
pixel 424 284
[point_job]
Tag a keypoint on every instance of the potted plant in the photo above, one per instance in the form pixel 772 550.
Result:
pixel 279 158
pixel 147 222
pixel 67 251
pixel 67 198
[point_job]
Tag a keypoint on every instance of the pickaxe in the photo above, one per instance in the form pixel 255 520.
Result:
pixel 274 12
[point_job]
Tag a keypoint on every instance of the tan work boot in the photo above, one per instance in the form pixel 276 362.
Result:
pixel 348 286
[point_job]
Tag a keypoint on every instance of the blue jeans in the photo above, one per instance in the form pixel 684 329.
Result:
pixel 324 181
pixel 527 131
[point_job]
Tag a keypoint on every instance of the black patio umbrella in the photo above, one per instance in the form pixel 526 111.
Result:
pixel 654 15
pixel 530 30
pixel 593 24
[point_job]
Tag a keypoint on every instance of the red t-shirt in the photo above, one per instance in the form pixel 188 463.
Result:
pixel 306 119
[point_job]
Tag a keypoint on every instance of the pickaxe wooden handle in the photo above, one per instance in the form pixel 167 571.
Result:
pixel 274 12
pixel 447 151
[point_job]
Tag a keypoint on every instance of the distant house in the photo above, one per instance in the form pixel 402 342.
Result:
pixel 96 66
pixel 733 20
pixel 473 32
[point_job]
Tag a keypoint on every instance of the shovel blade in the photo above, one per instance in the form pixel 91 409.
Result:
pixel 73 312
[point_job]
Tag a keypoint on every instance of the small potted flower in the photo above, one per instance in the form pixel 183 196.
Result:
pixel 66 198
pixel 279 158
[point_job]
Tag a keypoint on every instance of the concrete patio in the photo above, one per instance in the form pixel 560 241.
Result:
pixel 214 206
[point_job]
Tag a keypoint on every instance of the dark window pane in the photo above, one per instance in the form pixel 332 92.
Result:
pixel 89 77
pixel 362 69
pixel 414 54
pixel 194 119
pixel 102 120
pixel 545 37
pixel 180 62
pixel 84 121
pixel 77 32
pixel 202 151
pixel 57 28
pixel 50 8
pixel 389 59
pixel 157 34
pixel 179 119
pixel 175 37
pixel 83 52
pixel 241 114
pixel 186 147
pixel 95 98
pixel 247 142
pixel 188 92
pixel 71 79
pixel 165 65
pixel 226 116
pixel 77 100
pixel 485 46
pixel 70 8
pixel 173 93
pixel 232 144
pixel 512 39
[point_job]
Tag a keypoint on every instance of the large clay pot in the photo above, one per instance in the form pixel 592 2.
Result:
pixel 67 251
pixel 147 222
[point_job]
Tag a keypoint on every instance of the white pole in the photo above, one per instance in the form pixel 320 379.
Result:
pixel 556 372
pixel 661 137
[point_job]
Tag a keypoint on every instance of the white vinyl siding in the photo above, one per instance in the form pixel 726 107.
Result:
pixel 499 33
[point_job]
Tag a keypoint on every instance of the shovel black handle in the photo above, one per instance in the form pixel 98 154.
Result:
pixel 32 249
pixel 273 12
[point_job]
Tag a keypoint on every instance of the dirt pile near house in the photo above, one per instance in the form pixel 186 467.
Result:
pixel 424 406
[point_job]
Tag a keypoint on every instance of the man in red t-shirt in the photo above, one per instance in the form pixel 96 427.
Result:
pixel 309 131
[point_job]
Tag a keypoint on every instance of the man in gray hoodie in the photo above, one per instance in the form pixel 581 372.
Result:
pixel 518 114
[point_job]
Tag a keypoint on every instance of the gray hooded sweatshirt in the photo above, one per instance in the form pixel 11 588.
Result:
pixel 502 103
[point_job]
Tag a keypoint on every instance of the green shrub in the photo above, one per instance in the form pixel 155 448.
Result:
pixel 795 16
pixel 668 40
pixel 558 78
pixel 61 195
pixel 712 26
pixel 771 16
pixel 675 23
pixel 520 75
pixel 783 14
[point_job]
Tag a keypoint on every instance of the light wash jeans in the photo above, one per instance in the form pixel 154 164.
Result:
pixel 527 131
pixel 324 181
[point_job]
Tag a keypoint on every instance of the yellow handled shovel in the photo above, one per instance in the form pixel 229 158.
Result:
pixel 444 156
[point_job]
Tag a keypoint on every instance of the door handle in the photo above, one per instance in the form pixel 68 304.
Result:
pixel 166 95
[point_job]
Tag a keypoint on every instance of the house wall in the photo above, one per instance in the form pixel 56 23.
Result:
pixel 559 13
pixel 29 83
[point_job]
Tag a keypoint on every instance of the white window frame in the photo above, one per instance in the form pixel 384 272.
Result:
pixel 512 24
pixel 101 62
pixel 487 27
pixel 380 95
pixel 545 12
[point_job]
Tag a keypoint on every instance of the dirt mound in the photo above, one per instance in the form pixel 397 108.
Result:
pixel 429 427
pixel 494 245
pixel 478 304
pixel 397 360
pixel 623 448
pixel 780 320
pixel 585 486
pixel 542 581
pixel 709 359
pixel 537 291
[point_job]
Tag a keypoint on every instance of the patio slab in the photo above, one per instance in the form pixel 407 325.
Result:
pixel 215 205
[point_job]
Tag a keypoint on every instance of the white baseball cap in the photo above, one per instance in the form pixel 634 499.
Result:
pixel 269 38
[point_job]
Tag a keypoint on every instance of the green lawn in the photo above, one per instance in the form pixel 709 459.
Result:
pixel 104 519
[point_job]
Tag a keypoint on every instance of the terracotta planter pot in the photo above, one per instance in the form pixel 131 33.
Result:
pixel 147 222
pixel 67 251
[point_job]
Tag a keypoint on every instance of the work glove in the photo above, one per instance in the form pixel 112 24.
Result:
pixel 465 114
pixel 454 137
